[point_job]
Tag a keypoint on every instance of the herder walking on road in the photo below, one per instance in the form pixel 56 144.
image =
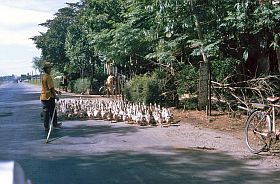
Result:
pixel 110 84
pixel 64 82
pixel 48 96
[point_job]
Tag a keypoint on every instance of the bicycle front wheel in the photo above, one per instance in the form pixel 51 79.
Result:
pixel 256 130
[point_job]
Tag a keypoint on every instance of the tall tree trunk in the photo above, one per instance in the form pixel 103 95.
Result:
pixel 204 99
pixel 200 37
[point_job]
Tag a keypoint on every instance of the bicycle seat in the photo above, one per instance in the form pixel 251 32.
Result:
pixel 273 99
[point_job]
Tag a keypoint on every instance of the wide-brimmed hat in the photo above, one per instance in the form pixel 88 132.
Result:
pixel 47 65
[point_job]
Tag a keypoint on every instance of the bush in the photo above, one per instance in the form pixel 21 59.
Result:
pixel 187 78
pixel 167 87
pixel 81 85
pixel 159 87
pixel 189 103
pixel 71 85
pixel 94 85
pixel 142 89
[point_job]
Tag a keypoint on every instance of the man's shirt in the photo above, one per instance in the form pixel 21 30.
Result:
pixel 47 85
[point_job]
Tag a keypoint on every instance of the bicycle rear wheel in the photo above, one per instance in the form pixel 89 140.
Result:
pixel 256 130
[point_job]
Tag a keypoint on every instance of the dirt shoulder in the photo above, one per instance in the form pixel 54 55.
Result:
pixel 219 121
pixel 220 132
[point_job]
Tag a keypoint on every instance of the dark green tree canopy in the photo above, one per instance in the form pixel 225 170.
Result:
pixel 139 36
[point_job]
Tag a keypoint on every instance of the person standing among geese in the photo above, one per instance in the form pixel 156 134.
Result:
pixel 48 96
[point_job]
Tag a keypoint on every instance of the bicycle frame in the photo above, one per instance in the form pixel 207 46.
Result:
pixel 273 107
pixel 260 129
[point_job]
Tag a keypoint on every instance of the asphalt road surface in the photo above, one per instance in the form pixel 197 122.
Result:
pixel 99 152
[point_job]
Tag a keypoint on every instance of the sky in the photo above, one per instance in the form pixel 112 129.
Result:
pixel 19 21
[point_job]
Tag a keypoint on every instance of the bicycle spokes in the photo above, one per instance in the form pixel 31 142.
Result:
pixel 257 130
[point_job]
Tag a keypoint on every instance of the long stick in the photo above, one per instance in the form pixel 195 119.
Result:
pixel 51 125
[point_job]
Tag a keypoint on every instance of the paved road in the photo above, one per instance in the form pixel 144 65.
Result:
pixel 98 152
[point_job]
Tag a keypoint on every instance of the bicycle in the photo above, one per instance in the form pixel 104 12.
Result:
pixel 260 129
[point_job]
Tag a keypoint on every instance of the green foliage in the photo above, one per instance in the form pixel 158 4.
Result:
pixel 94 85
pixel 225 69
pixel 52 42
pixel 81 85
pixel 136 35
pixel 167 86
pixel 71 85
pixel 249 28
pixel 38 64
pixel 189 103
pixel 100 19
pixel 143 89
pixel 187 79
pixel 159 87
pixel 100 77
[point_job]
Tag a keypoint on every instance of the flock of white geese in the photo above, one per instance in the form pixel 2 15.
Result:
pixel 115 111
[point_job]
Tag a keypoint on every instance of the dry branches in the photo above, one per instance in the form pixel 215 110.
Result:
pixel 245 92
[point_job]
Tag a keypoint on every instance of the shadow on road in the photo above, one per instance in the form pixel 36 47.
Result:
pixel 92 130
pixel 179 166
